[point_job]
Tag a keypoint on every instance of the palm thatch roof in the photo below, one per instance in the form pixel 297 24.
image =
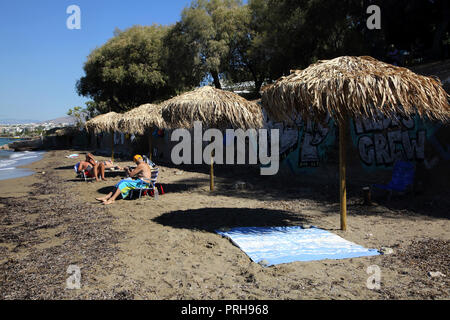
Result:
pixel 215 108
pixel 137 120
pixel 357 87
pixel 104 123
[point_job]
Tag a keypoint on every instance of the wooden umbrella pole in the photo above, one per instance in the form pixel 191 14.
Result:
pixel 342 164
pixel 211 174
pixel 112 146
pixel 150 145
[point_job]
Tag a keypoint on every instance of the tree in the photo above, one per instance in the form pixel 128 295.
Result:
pixel 128 70
pixel 247 58
pixel 91 110
pixel 288 34
pixel 79 114
pixel 207 32
pixel 183 64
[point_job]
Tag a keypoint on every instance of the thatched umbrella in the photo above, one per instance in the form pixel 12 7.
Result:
pixel 107 122
pixel 358 87
pixel 213 107
pixel 142 119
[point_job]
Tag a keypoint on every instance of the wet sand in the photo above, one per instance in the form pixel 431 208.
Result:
pixel 167 248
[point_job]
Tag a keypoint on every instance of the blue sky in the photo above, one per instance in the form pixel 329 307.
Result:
pixel 41 60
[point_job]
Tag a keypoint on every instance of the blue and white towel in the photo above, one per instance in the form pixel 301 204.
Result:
pixel 278 245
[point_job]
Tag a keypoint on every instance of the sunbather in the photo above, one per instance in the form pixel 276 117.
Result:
pixel 143 174
pixel 84 166
pixel 95 168
pixel 108 164
pixel 93 171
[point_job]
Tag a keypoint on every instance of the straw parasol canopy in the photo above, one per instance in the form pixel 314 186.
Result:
pixel 215 108
pixel 107 122
pixel 360 87
pixel 138 120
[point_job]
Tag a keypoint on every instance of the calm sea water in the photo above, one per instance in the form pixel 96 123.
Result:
pixel 10 161
pixel 5 141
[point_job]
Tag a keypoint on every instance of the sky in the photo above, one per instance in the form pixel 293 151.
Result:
pixel 41 59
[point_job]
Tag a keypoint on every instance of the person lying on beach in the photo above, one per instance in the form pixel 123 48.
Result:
pixel 108 164
pixel 143 174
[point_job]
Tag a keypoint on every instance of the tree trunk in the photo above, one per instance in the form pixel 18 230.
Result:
pixel 258 84
pixel 215 76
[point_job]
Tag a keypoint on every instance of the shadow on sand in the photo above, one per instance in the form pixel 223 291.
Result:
pixel 210 219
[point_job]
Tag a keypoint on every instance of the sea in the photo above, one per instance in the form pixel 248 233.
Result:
pixel 10 161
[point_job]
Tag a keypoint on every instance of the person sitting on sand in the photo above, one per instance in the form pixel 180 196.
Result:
pixel 95 168
pixel 93 171
pixel 143 173
pixel 92 167
pixel 84 166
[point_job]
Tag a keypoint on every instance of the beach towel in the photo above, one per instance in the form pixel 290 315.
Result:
pixel 126 185
pixel 276 245
pixel 71 156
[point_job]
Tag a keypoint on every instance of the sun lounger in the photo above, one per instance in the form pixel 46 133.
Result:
pixel 149 188
pixel 85 175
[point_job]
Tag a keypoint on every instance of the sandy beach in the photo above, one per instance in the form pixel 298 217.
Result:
pixel 167 248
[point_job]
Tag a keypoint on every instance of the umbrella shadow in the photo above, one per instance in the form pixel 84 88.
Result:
pixel 211 219
pixel 65 167
pixel 106 190
pixel 179 187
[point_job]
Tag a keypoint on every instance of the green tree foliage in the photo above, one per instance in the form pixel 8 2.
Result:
pixel 128 70
pixel 293 34
pixel 259 40
pixel 184 67
pixel 79 114
pixel 290 34
pixel 91 110
pixel 208 33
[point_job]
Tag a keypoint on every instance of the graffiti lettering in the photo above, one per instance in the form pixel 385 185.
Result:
pixel 414 148
pixel 394 140
pixel 367 125
pixel 366 151
pixel 379 143
pixel 384 141
pixel 314 135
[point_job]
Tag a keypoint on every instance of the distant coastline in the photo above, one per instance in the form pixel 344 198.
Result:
pixel 13 139
pixel 11 162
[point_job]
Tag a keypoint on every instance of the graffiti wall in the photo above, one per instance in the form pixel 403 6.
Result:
pixel 377 144
pixel 384 141
pixel 305 145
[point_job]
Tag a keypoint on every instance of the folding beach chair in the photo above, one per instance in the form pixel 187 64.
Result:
pixel 85 175
pixel 149 188
pixel 402 178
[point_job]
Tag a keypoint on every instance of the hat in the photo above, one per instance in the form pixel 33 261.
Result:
pixel 137 157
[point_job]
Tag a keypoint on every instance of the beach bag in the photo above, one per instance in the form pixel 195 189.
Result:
pixel 160 188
